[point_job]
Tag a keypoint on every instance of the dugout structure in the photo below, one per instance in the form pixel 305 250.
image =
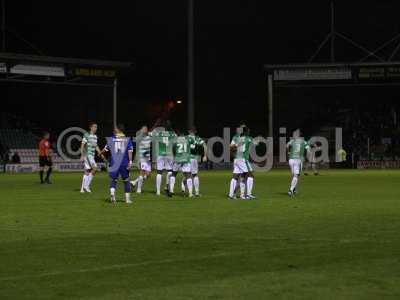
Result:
pixel 64 71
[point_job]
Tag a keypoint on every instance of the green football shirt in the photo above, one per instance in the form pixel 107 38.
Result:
pixel 243 144
pixel 144 147
pixel 164 141
pixel 90 144
pixel 297 148
pixel 194 142
pixel 182 149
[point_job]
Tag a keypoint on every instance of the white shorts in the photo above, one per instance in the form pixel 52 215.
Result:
pixel 184 167
pixel 145 165
pixel 295 165
pixel 194 166
pixel 89 163
pixel 241 165
pixel 164 163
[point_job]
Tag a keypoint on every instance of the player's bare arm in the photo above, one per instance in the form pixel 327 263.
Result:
pixel 205 151
pixel 82 149
pixel 100 153
pixel 130 155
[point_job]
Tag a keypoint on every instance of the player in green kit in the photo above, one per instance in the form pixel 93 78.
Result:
pixel 88 150
pixel 196 143
pixel 242 169
pixel 164 141
pixel 296 148
pixel 182 156
pixel 235 139
pixel 143 153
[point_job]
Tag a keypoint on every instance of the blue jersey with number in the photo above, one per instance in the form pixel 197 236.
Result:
pixel 119 146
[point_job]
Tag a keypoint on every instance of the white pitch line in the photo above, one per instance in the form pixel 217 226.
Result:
pixel 114 267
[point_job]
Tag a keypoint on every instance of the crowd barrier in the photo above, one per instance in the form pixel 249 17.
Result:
pixel 60 167
pixel 378 164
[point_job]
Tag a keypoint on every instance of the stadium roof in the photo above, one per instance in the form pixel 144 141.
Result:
pixel 62 60
pixel 271 67
pixel 63 71
pixel 59 70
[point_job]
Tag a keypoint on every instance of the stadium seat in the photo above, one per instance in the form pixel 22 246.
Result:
pixel 25 143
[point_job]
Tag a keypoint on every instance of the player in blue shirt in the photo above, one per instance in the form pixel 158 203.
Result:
pixel 121 149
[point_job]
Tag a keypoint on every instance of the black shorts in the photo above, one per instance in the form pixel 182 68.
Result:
pixel 44 161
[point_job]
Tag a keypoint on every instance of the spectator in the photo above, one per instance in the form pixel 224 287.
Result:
pixel 6 156
pixel 342 163
pixel 15 159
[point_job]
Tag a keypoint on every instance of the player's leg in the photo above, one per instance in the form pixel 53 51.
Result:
pixel 189 182
pixel 92 171
pixel 183 184
pixel 196 184
pixel 135 181
pixel 234 180
pixel 158 182
pixel 124 172
pixel 168 162
pixel 160 168
pixel 145 169
pixel 295 165
pixel 90 178
pixel 291 167
pixel 187 174
pixel 171 184
pixel 49 165
pixel 249 181
pixel 140 181
pixel 85 179
pixel 242 184
pixel 232 186
pixel 172 179
pixel 41 168
pixel 250 184
pixel 195 176
pixel 243 178
pixel 41 171
pixel 113 185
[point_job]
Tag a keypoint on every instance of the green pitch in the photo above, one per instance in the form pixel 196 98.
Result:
pixel 338 239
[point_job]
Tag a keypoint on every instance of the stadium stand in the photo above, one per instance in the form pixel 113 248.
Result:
pixel 24 143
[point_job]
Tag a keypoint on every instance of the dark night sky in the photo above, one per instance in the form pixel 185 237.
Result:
pixel 233 39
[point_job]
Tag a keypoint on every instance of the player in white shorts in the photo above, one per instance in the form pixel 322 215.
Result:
pixel 184 167
pixel 143 152
pixel 242 169
pixel 88 150
pixel 295 165
pixel 241 165
pixel 164 140
pixel 165 163
pixel 197 145
pixel 296 147
pixel 181 148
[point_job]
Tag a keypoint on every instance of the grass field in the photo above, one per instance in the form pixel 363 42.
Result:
pixel 338 239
